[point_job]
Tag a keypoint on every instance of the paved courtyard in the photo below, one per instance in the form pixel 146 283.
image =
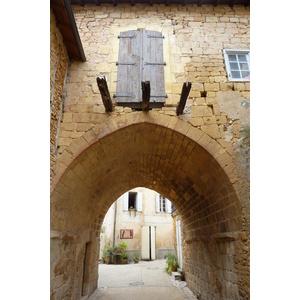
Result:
pixel 145 280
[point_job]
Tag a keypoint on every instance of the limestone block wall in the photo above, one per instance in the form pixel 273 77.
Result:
pixel 194 40
pixel 58 67
pixel 215 113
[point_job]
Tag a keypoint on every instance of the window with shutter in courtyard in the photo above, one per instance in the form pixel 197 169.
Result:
pixel 140 59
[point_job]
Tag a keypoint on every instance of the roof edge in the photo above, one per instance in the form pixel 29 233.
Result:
pixel 74 29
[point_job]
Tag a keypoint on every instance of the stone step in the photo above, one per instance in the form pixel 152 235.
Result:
pixel 176 275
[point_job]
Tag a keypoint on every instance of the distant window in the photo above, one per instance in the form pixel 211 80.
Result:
pixel 133 200
pixel 163 204
pixel 237 63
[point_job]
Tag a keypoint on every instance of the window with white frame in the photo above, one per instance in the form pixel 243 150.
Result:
pixel 133 200
pixel 163 204
pixel 237 63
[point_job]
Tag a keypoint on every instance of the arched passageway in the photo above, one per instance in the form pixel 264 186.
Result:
pixel 171 161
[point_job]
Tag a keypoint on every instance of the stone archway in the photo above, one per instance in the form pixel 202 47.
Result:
pixel 165 154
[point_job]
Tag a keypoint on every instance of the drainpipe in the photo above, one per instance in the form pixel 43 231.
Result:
pixel 115 218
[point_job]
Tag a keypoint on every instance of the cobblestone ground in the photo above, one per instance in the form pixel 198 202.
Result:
pixel 145 280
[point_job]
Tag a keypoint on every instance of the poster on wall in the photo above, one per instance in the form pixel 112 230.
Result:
pixel 126 234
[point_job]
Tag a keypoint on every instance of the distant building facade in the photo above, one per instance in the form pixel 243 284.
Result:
pixel 142 218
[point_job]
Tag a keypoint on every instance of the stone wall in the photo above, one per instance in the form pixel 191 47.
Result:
pixel 193 43
pixel 58 67
pixel 197 156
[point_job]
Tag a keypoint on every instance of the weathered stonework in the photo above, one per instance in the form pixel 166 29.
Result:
pixel 193 159
pixel 58 67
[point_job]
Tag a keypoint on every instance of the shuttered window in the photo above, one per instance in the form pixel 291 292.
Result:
pixel 140 59
pixel 133 200
pixel 163 204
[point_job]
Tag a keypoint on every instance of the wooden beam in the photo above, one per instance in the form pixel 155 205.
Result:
pixel 232 3
pixel 102 85
pixel 146 95
pixel 186 87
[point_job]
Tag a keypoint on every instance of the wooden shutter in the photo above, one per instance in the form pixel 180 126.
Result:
pixel 140 59
pixel 168 206
pixel 157 203
pixel 153 246
pixel 145 253
pixel 125 201
pixel 153 65
pixel 128 84
pixel 139 205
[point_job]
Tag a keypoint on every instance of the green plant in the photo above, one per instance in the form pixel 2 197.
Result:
pixel 131 208
pixel 172 264
pixel 105 256
pixel 124 255
pixel 110 250
pixel 136 257
pixel 122 247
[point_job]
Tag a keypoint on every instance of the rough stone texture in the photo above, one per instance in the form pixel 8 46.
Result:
pixel 58 67
pixel 192 159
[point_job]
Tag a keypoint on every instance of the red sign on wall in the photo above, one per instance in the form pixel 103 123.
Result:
pixel 126 234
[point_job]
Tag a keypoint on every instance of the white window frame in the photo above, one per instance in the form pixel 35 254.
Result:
pixel 160 199
pixel 227 52
pixel 138 206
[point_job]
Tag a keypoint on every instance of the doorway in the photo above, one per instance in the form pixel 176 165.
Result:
pixel 148 243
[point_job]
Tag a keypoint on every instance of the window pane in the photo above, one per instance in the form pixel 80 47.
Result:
pixel 234 66
pixel 232 57
pixel 235 74
pixel 244 66
pixel 245 74
pixel 242 57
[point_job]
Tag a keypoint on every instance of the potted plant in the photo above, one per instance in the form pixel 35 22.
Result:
pixel 136 258
pixel 131 208
pixel 111 252
pixel 105 256
pixel 122 249
pixel 124 258
pixel 172 264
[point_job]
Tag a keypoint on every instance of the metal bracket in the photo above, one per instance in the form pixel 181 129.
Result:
pixel 155 64
pixel 126 64
pixel 120 95
pixel 127 37
pixel 156 96
pixel 155 37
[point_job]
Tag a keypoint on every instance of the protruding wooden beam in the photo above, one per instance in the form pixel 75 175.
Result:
pixel 146 95
pixel 232 3
pixel 102 85
pixel 186 87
